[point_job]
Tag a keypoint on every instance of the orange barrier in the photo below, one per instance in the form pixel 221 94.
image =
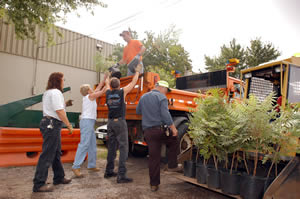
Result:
pixel 23 146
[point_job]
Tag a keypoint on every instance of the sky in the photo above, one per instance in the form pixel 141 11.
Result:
pixel 204 25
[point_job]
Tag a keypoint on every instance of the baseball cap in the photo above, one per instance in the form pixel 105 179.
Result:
pixel 163 83
pixel 124 32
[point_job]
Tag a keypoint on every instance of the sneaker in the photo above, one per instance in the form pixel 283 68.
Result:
pixel 77 173
pixel 94 169
pixel 109 175
pixel 124 179
pixel 154 188
pixel 44 188
pixel 63 181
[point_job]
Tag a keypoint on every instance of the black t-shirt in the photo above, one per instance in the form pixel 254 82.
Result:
pixel 115 103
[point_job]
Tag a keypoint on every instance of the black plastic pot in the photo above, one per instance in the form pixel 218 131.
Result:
pixel 201 173
pixel 252 187
pixel 230 183
pixel 213 178
pixel 189 169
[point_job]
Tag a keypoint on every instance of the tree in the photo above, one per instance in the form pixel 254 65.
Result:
pixel 234 50
pixel 164 75
pixel 117 56
pixel 102 63
pixel 258 52
pixel 165 51
pixel 26 15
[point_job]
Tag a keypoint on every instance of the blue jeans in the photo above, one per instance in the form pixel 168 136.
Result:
pixel 87 144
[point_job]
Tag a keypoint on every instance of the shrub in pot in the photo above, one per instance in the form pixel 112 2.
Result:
pixel 286 132
pixel 207 125
pixel 232 138
pixel 255 116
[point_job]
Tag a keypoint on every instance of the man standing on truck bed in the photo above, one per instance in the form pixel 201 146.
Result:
pixel 132 53
pixel 153 106
pixel 117 127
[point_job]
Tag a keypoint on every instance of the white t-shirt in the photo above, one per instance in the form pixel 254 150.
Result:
pixel 89 108
pixel 53 100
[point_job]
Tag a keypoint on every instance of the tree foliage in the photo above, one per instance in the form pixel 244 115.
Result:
pixel 265 130
pixel 164 75
pixel 102 63
pixel 165 51
pixel 26 15
pixel 234 50
pixel 258 52
pixel 213 130
pixel 219 128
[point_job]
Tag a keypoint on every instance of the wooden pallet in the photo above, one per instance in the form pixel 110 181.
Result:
pixel 194 181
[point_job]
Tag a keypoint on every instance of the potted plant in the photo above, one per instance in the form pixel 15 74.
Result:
pixel 206 125
pixel 284 138
pixel 255 116
pixel 232 138
pixel 189 166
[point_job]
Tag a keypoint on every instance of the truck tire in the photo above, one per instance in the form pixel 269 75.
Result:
pixel 184 139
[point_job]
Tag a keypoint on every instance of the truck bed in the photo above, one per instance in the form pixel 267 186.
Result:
pixel 179 100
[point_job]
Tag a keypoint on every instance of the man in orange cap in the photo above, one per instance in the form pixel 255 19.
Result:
pixel 132 54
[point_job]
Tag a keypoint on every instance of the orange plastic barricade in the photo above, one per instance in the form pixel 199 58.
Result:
pixel 23 146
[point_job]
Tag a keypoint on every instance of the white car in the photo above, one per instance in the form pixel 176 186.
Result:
pixel 101 133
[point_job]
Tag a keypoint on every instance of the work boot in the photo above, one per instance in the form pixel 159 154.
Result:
pixel 63 181
pixel 154 188
pixel 109 175
pixel 44 188
pixel 124 179
pixel 94 169
pixel 77 173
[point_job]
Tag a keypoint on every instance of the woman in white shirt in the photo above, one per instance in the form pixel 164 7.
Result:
pixel 54 115
pixel 87 130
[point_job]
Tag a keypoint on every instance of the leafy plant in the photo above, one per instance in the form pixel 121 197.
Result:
pixel 212 129
pixel 27 15
pixel 164 75
pixel 101 63
pixel 285 136
pixel 255 117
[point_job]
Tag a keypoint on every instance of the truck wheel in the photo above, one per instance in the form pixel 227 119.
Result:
pixel 185 142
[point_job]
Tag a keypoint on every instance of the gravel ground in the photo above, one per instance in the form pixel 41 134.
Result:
pixel 16 182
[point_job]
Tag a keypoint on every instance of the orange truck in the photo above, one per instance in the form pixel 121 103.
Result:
pixel 181 101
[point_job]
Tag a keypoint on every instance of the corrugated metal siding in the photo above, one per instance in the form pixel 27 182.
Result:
pixel 78 51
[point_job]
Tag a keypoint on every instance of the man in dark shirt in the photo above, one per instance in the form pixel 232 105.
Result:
pixel 153 106
pixel 117 126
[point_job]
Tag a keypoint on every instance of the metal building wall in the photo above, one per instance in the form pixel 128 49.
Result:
pixel 76 50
